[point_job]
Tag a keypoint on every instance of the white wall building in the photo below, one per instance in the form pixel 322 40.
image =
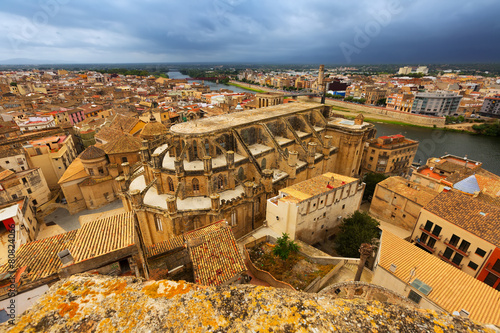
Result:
pixel 312 210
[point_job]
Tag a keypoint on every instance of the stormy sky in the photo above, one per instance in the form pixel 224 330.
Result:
pixel 273 31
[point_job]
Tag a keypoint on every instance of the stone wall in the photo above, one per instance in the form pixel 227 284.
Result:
pixel 406 117
pixel 369 292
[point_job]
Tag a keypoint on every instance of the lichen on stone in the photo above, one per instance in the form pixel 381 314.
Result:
pixel 96 303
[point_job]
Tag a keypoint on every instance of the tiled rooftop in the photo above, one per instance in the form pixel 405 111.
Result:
pixel 103 236
pixel 452 289
pixel 178 241
pixel 215 256
pixel 40 256
pixel 316 186
pixel 399 185
pixel 474 215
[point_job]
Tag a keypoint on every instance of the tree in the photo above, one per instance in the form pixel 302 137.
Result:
pixel 285 246
pixel 371 180
pixel 355 230
pixel 381 102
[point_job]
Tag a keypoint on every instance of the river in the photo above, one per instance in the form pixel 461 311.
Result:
pixel 433 142
pixel 211 84
pixel 436 143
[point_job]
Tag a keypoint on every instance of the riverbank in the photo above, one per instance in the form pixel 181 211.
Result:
pixel 246 88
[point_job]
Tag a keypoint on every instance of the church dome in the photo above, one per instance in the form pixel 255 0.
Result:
pixel 92 153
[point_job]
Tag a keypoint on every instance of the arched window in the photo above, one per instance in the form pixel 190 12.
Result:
pixel 220 182
pixel 170 182
pixel 158 223
pixel 196 185
pixel 124 159
pixel 195 149
pixel 263 164
pixel 241 173
pixel 207 147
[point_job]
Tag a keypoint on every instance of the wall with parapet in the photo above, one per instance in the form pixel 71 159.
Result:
pixel 415 119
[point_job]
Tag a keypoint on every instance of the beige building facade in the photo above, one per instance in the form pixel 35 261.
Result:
pixel 226 167
pixel 53 155
pixel 312 210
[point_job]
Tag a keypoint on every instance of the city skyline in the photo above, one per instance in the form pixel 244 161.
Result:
pixel 241 31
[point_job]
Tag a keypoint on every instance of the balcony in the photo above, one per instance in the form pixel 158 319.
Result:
pixel 465 254
pixel 422 244
pixel 428 232
pixel 440 255
pixel 490 269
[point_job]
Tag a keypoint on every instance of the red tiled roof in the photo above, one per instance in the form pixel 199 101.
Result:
pixel 215 256
pixel 178 241
pixel 40 256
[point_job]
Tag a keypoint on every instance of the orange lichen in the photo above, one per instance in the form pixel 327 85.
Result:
pixel 167 290
pixel 70 309
pixel 116 287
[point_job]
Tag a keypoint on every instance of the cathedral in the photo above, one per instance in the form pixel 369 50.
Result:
pixel 227 166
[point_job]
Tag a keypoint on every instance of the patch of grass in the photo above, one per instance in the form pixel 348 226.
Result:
pixel 296 270
pixel 246 88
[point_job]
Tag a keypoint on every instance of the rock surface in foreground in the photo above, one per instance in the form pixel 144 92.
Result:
pixel 90 303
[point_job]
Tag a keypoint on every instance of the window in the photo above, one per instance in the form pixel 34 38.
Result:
pixel 343 206
pixel 472 265
pixel 220 182
pixel 480 252
pixel 91 172
pixel 263 164
pixel 457 259
pixel 371 158
pixel 431 242
pixel 35 202
pixel 421 286
pixel 490 279
pixel 196 185
pixel 496 266
pixel 124 159
pixel 170 184
pixel 233 218
pixel 414 297
pixel 195 149
pixel 464 246
pixel 454 240
pixel 158 224
pixel 428 225
pixel 423 237
pixel 29 191
pixel 447 253
pixel 437 230
pixel 101 170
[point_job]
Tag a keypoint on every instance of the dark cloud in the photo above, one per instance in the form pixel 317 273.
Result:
pixel 422 31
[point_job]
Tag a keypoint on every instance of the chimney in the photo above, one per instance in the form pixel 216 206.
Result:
pixel 65 257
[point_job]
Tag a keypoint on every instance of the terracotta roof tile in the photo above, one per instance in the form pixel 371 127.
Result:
pixel 92 152
pixel 452 289
pixel 178 241
pixel 103 236
pixel 474 215
pixel 215 256
pixel 40 256
pixel 124 143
